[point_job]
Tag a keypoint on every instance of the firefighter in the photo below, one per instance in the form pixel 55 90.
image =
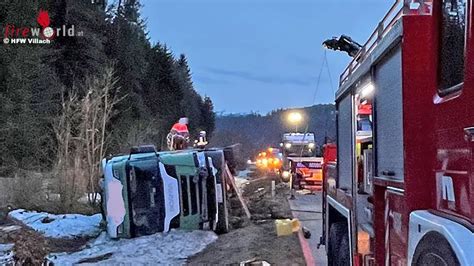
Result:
pixel 178 137
pixel 201 142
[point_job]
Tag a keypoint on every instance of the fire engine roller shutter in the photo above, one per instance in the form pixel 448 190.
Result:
pixel 344 146
pixel 389 115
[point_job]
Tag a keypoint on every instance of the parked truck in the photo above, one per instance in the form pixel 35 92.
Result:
pixel 301 163
pixel 401 190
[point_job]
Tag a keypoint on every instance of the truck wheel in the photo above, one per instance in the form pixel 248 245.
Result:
pixel 434 250
pixel 336 232
pixel 343 257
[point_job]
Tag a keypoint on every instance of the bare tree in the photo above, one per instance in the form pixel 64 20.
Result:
pixel 82 137
pixel 63 128
pixel 96 110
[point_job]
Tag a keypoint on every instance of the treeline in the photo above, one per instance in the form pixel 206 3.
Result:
pixel 101 92
pixel 257 132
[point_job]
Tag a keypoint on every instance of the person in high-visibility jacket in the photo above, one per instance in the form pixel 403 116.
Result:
pixel 181 127
pixel 179 135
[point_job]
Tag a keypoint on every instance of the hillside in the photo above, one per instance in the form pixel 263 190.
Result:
pixel 257 132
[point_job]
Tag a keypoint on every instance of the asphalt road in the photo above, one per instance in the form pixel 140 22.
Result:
pixel 308 209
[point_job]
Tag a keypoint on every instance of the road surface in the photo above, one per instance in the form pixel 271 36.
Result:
pixel 308 209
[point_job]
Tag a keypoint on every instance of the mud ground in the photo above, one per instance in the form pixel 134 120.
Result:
pixel 255 239
pixel 31 247
pixel 248 240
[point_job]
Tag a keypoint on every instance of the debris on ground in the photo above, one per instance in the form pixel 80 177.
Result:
pixel 287 226
pixel 237 191
pixel 25 246
pixel 10 228
pixel 59 226
pixel 241 182
pixel 254 262
pixel 305 192
pixel 306 232
pixel 255 241
pixel 170 248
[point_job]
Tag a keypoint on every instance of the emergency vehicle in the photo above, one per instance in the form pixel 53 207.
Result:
pixel 401 191
pixel 269 161
pixel 301 163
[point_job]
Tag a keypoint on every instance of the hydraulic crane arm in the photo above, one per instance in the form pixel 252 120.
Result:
pixel 343 43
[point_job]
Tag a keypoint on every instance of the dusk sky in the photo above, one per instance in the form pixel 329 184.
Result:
pixel 260 55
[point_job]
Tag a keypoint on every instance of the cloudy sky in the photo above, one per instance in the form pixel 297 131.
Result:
pixel 259 55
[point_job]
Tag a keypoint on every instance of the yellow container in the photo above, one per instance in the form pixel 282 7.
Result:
pixel 283 227
pixel 295 225
pixel 286 227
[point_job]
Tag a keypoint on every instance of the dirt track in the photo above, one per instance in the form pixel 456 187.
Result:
pixel 256 239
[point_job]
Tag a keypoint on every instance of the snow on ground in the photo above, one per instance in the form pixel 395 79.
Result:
pixel 59 226
pixel 242 179
pixel 162 248
pixel 6 254
pixel 245 173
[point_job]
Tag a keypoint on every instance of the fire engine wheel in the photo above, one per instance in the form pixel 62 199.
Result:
pixel 434 250
pixel 344 250
pixel 338 242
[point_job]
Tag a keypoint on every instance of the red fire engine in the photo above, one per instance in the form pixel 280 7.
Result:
pixel 401 191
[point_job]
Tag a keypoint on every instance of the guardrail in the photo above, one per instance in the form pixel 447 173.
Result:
pixel 384 26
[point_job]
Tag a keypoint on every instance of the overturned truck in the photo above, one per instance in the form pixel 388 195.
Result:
pixel 146 192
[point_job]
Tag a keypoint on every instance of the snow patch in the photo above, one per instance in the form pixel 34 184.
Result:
pixel 242 179
pixel 245 173
pixel 172 248
pixel 241 182
pixel 6 254
pixel 59 226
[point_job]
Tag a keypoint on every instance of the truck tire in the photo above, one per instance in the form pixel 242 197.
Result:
pixel 336 232
pixel 434 250
pixel 343 257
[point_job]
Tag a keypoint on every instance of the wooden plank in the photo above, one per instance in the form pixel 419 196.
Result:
pixel 230 177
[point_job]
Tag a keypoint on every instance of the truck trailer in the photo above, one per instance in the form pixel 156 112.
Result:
pixel 401 190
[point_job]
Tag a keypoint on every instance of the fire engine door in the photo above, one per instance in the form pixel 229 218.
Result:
pixel 454 112
pixel 395 232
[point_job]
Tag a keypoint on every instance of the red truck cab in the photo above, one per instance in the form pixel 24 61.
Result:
pixel 403 189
